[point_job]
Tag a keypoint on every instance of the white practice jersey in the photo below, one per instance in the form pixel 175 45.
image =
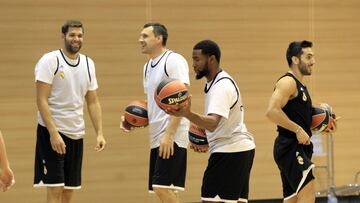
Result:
pixel 70 80
pixel 222 97
pixel 167 65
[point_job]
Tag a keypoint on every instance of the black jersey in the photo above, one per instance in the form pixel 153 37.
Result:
pixel 298 109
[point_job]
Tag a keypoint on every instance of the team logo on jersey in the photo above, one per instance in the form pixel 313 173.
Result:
pixel 304 96
pixel 299 159
pixel 62 74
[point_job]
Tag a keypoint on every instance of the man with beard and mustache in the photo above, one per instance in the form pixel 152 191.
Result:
pixel 290 108
pixel 231 146
pixel 64 79
pixel 168 134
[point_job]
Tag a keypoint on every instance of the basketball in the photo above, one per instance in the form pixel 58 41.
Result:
pixel 170 93
pixel 197 137
pixel 323 117
pixel 136 114
pixel 332 116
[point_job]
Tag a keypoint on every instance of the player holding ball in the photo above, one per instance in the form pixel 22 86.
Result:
pixel 231 146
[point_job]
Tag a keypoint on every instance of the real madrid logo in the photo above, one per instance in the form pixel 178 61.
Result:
pixel 300 160
pixel 62 74
pixel 304 96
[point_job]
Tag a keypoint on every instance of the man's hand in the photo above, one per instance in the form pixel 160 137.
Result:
pixel 182 109
pixel 199 149
pixel 166 148
pixel 57 143
pixel 6 179
pixel 100 143
pixel 125 126
pixel 332 126
pixel 302 136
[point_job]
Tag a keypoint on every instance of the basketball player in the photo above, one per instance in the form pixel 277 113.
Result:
pixel 6 175
pixel 168 134
pixel 290 109
pixel 231 146
pixel 64 79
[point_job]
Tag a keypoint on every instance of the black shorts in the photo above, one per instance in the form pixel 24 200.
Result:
pixel 226 178
pixel 53 169
pixel 168 173
pixel 294 162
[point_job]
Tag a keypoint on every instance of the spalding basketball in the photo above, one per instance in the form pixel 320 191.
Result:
pixel 332 116
pixel 323 117
pixel 170 93
pixel 136 114
pixel 197 137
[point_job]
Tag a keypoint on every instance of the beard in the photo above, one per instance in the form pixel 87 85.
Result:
pixel 203 72
pixel 71 49
pixel 303 68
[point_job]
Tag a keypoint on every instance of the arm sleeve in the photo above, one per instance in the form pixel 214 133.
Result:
pixel 45 68
pixel 178 68
pixel 222 97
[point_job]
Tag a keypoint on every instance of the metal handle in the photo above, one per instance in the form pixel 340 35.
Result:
pixel 356 177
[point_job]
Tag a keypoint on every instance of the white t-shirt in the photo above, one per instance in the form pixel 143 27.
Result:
pixel 222 97
pixel 167 65
pixel 70 80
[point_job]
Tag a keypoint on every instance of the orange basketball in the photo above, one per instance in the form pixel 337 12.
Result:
pixel 170 93
pixel 198 138
pixel 323 117
pixel 332 116
pixel 136 114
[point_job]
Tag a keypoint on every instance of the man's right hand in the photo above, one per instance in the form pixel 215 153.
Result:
pixel 198 149
pixel 6 179
pixel 125 126
pixel 302 136
pixel 57 143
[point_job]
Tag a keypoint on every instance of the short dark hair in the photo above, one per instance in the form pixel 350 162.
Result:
pixel 209 48
pixel 295 49
pixel 159 29
pixel 71 23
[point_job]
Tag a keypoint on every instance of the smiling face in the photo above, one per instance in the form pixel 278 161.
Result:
pixel 73 40
pixel 200 64
pixel 148 41
pixel 306 62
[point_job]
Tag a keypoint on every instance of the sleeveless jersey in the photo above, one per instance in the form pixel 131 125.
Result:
pixel 172 65
pixel 222 97
pixel 70 80
pixel 298 109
